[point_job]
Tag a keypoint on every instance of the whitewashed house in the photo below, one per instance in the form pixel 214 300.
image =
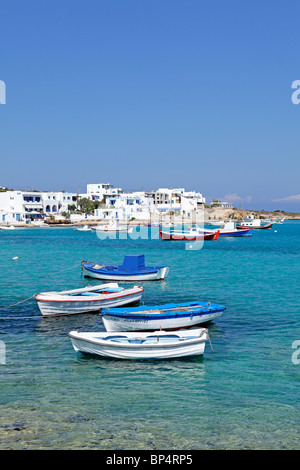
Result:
pixel 20 206
pixel 57 202
pixel 177 200
pixel 127 206
pixel 99 192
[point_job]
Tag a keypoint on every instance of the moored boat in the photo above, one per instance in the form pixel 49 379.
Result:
pixel 151 224
pixel 142 346
pixel 229 229
pixel 132 269
pixel 252 222
pixel 113 227
pixel 87 299
pixel 84 228
pixel 7 227
pixel 262 226
pixel 193 234
pixel 167 317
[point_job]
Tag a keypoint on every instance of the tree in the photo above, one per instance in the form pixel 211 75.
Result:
pixel 86 205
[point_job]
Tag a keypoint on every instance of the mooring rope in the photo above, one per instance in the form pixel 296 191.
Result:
pixel 210 342
pixel 67 269
pixel 17 303
pixel 31 297
pixel 56 345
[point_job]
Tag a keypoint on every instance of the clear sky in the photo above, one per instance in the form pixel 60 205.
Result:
pixel 152 93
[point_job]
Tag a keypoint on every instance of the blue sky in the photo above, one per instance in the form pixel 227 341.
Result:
pixel 146 94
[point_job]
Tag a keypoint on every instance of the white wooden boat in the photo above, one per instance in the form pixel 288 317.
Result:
pixel 113 227
pixel 8 227
pixel 229 229
pixel 87 299
pixel 217 223
pixel 252 222
pixel 85 228
pixel 156 345
pixel 166 317
pixel 275 221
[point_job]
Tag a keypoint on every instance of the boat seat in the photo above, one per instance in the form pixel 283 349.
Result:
pixel 87 293
pixel 116 338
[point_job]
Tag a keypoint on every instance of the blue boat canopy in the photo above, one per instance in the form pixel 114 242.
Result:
pixel 133 263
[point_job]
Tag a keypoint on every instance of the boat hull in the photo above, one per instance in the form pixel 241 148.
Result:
pixel 254 227
pixel 54 305
pixel 145 319
pixel 112 230
pixel 159 345
pixel 236 233
pixel 181 236
pixel 156 275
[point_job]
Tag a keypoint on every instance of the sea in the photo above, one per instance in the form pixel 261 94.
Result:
pixel 243 393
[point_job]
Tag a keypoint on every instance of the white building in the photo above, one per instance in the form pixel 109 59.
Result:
pixel 177 200
pixel 20 206
pixel 127 206
pixel 221 204
pixel 29 206
pixel 98 192
pixel 57 202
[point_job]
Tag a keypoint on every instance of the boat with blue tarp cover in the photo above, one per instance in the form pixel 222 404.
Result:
pixel 132 269
pixel 167 317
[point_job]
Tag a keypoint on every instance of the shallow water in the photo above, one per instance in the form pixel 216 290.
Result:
pixel 244 394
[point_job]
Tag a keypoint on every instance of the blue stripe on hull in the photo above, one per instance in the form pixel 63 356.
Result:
pixel 248 233
pixel 133 313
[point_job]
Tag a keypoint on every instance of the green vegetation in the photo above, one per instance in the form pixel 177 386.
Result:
pixel 87 206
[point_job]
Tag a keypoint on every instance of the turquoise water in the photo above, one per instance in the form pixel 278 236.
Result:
pixel 242 395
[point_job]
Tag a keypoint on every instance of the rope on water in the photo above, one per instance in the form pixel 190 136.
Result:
pixel 57 272
pixel 31 297
pixel 56 345
pixel 17 303
pixel 21 318
pixel 210 342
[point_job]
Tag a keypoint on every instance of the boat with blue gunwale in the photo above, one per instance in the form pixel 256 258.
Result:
pixel 132 269
pixel 167 317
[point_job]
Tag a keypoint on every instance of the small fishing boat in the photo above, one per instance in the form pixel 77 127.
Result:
pixel 229 229
pixel 252 222
pixel 8 227
pixel 113 227
pixel 193 234
pixel 166 317
pixel 126 345
pixel 87 299
pixel 243 225
pixel 275 221
pixel 85 228
pixel 151 224
pixel 132 269
pixel 217 223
